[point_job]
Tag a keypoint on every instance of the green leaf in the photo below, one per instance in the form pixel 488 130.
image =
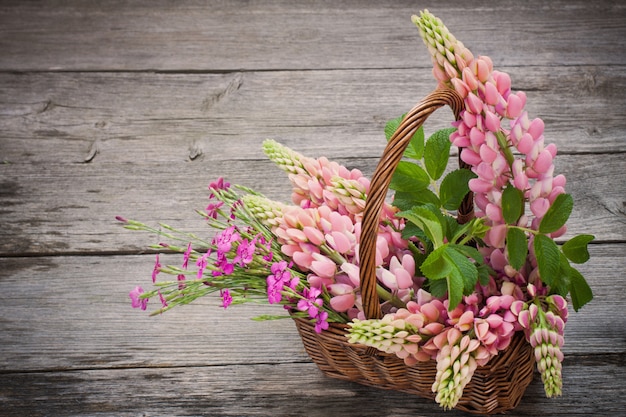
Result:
pixel 463 268
pixel 516 247
pixel 436 265
pixel 437 152
pixel 557 214
pixel 392 125
pixel 415 150
pixel 406 200
pixel 576 248
pixel 548 258
pixel 437 288
pixel 483 274
pixel 427 221
pixel 579 289
pixel 512 204
pixel 412 230
pixel 455 290
pixel 560 283
pixel 454 187
pixel 409 177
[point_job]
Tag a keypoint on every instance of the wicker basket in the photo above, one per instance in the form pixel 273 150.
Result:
pixel 496 387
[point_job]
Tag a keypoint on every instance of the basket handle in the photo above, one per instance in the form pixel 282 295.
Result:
pixel 379 186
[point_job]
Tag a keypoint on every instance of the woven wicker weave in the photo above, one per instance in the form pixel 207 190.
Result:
pixel 496 387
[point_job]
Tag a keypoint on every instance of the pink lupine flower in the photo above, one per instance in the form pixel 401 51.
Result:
pixel 490 108
pixel 343 297
pixel 323 266
pixel 136 300
pixel 398 275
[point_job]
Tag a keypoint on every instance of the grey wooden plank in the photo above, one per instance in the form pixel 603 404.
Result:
pixel 73 313
pixel 61 35
pixel 124 118
pixel 71 208
pixel 592 387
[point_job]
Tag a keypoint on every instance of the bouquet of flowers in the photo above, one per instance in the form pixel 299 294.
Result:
pixel 454 292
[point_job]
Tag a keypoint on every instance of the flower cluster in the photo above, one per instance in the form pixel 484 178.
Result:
pixel 452 293
pixel 513 168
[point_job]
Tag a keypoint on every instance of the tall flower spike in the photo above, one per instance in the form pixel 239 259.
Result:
pixel 456 363
pixel 263 209
pixel 287 159
pixel 448 54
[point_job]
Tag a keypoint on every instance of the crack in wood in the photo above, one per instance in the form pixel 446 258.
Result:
pixel 212 100
pixel 94 149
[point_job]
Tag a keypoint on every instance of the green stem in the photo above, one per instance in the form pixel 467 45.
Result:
pixel 385 295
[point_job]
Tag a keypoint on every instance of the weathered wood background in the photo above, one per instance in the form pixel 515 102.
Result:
pixel 132 108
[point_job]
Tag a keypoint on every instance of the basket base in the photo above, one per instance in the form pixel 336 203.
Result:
pixel 496 387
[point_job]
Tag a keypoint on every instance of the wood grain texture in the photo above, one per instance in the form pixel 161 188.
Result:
pixel 81 346
pixel 92 117
pixel 131 108
pixel 226 36
pixel 71 208
pixel 295 389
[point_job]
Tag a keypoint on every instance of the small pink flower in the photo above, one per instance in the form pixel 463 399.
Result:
pixel 136 300
pixel 156 269
pixel 186 256
pixel 227 299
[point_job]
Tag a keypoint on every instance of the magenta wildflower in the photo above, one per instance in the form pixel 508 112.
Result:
pixel 186 256
pixel 212 210
pixel 227 299
pixel 279 278
pixel 219 184
pixel 224 267
pixel 201 263
pixel 311 302
pixel 136 300
pixel 156 269
pixel 321 322
pixel 224 240
pixel 162 299
pixel 245 252
pixel 180 279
